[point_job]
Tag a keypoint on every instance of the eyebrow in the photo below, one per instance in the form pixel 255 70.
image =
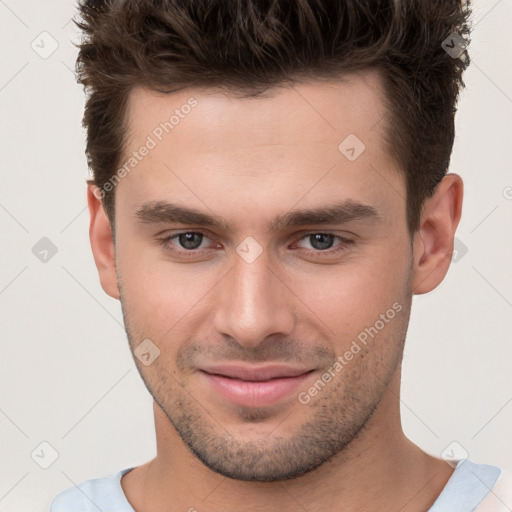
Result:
pixel 154 212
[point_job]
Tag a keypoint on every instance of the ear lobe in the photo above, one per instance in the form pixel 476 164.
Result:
pixel 433 242
pixel 102 244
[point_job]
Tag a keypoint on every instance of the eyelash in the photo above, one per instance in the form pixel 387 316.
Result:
pixel 342 247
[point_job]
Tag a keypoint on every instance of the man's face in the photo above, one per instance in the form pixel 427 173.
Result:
pixel 249 318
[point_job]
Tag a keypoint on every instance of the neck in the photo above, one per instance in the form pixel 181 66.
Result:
pixel 379 470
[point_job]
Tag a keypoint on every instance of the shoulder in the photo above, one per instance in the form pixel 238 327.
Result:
pixel 499 497
pixel 474 487
pixel 93 495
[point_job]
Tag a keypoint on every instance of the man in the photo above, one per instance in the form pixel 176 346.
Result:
pixel 270 190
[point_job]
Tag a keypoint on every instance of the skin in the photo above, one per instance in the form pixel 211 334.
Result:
pixel 249 160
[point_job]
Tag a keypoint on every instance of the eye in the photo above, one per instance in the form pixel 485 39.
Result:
pixel 323 242
pixel 189 241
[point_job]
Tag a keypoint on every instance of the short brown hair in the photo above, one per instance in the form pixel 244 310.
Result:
pixel 249 46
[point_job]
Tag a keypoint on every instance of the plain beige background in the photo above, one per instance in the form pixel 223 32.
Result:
pixel 66 374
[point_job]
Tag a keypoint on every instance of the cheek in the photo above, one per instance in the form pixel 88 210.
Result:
pixel 159 295
pixel 354 294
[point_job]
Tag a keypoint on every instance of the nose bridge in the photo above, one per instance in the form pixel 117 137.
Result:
pixel 251 304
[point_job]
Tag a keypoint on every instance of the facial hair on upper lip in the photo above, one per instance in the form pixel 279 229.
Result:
pixel 195 354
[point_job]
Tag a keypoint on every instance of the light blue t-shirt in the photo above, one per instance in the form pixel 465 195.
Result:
pixel 469 484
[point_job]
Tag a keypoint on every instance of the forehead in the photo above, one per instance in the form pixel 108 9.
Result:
pixel 353 103
pixel 291 144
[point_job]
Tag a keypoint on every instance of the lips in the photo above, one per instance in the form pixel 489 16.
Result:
pixel 253 386
pixel 255 373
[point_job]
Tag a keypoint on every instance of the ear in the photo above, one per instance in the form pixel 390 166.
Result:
pixel 102 244
pixel 433 242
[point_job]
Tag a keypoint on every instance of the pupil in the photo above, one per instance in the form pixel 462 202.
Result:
pixel 323 244
pixel 187 240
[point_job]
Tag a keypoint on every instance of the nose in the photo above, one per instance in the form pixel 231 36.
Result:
pixel 253 302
